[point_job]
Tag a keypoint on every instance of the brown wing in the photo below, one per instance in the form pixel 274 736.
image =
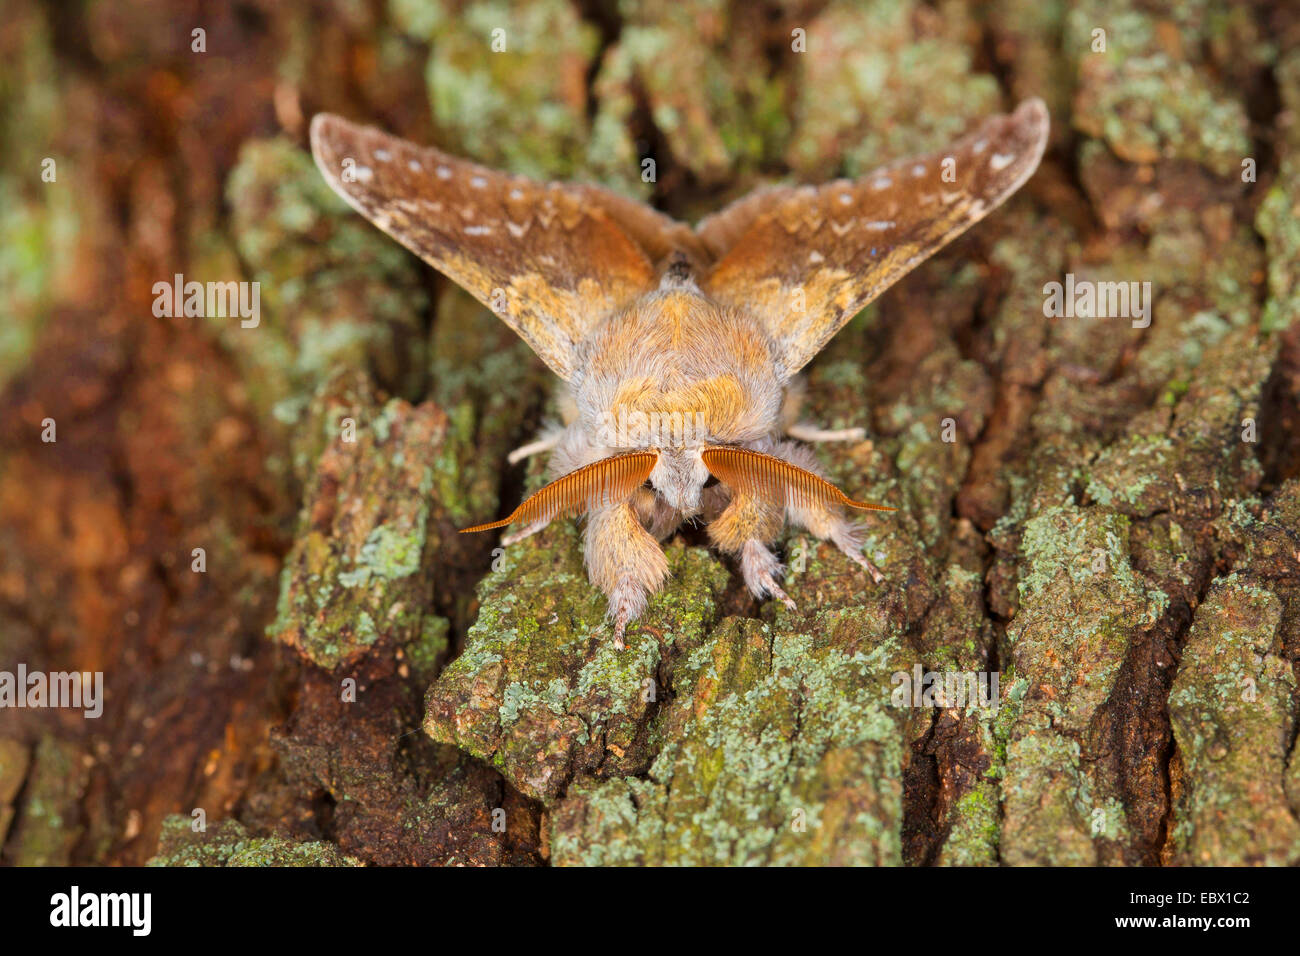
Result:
pixel 657 234
pixel 805 260
pixel 550 259
pixel 721 230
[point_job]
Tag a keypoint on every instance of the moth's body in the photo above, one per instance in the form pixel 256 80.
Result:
pixel 688 373
pixel 679 348
pixel 695 372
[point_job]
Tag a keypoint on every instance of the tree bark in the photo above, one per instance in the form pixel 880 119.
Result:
pixel 252 531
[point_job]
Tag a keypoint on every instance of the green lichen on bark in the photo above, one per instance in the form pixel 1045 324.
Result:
pixel 1081 603
pixel 1139 92
pixel 228 843
pixel 51 823
pixel 509 85
pixel 862 96
pixel 702 73
pixel 779 748
pixel 363 562
pixel 14 762
pixel 1231 707
pixel 540 691
pixel 41 213
pixel 1277 220
pixel 1101 511
pixel 334 292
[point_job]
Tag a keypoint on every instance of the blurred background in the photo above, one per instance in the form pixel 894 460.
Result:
pixel 198 532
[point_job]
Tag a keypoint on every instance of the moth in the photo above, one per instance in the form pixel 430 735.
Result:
pixel 679 348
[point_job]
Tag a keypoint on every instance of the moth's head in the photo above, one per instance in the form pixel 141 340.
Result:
pixel 679 477
pixel 678 422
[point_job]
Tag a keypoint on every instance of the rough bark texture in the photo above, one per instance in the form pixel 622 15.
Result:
pixel 1107 516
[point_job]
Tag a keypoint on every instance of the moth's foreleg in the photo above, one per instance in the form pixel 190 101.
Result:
pixel 625 561
pixel 744 528
pixel 807 432
pixel 791 404
pixel 526 532
pixel 547 442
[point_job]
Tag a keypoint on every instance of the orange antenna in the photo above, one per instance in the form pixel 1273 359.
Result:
pixel 608 481
pixel 758 475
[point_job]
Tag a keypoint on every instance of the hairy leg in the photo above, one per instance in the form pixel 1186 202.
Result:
pixel 760 569
pixel 829 523
pixel 625 561
pixel 744 528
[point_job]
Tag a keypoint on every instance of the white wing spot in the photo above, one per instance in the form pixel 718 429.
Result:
pixel 918 170
pixel 413 165
pixel 383 155
pixel 444 172
pixel 881 182
pixel 846 199
pixel 879 225
pixel 516 194
pixel 478 182
pixel 478 230
pixel 364 174
pixel 1001 161
pixel 815 257
pixel 517 230
pixel 980 146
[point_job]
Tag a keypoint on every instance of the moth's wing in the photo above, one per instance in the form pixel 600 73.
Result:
pixel 548 258
pixel 657 234
pixel 720 231
pixel 834 248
